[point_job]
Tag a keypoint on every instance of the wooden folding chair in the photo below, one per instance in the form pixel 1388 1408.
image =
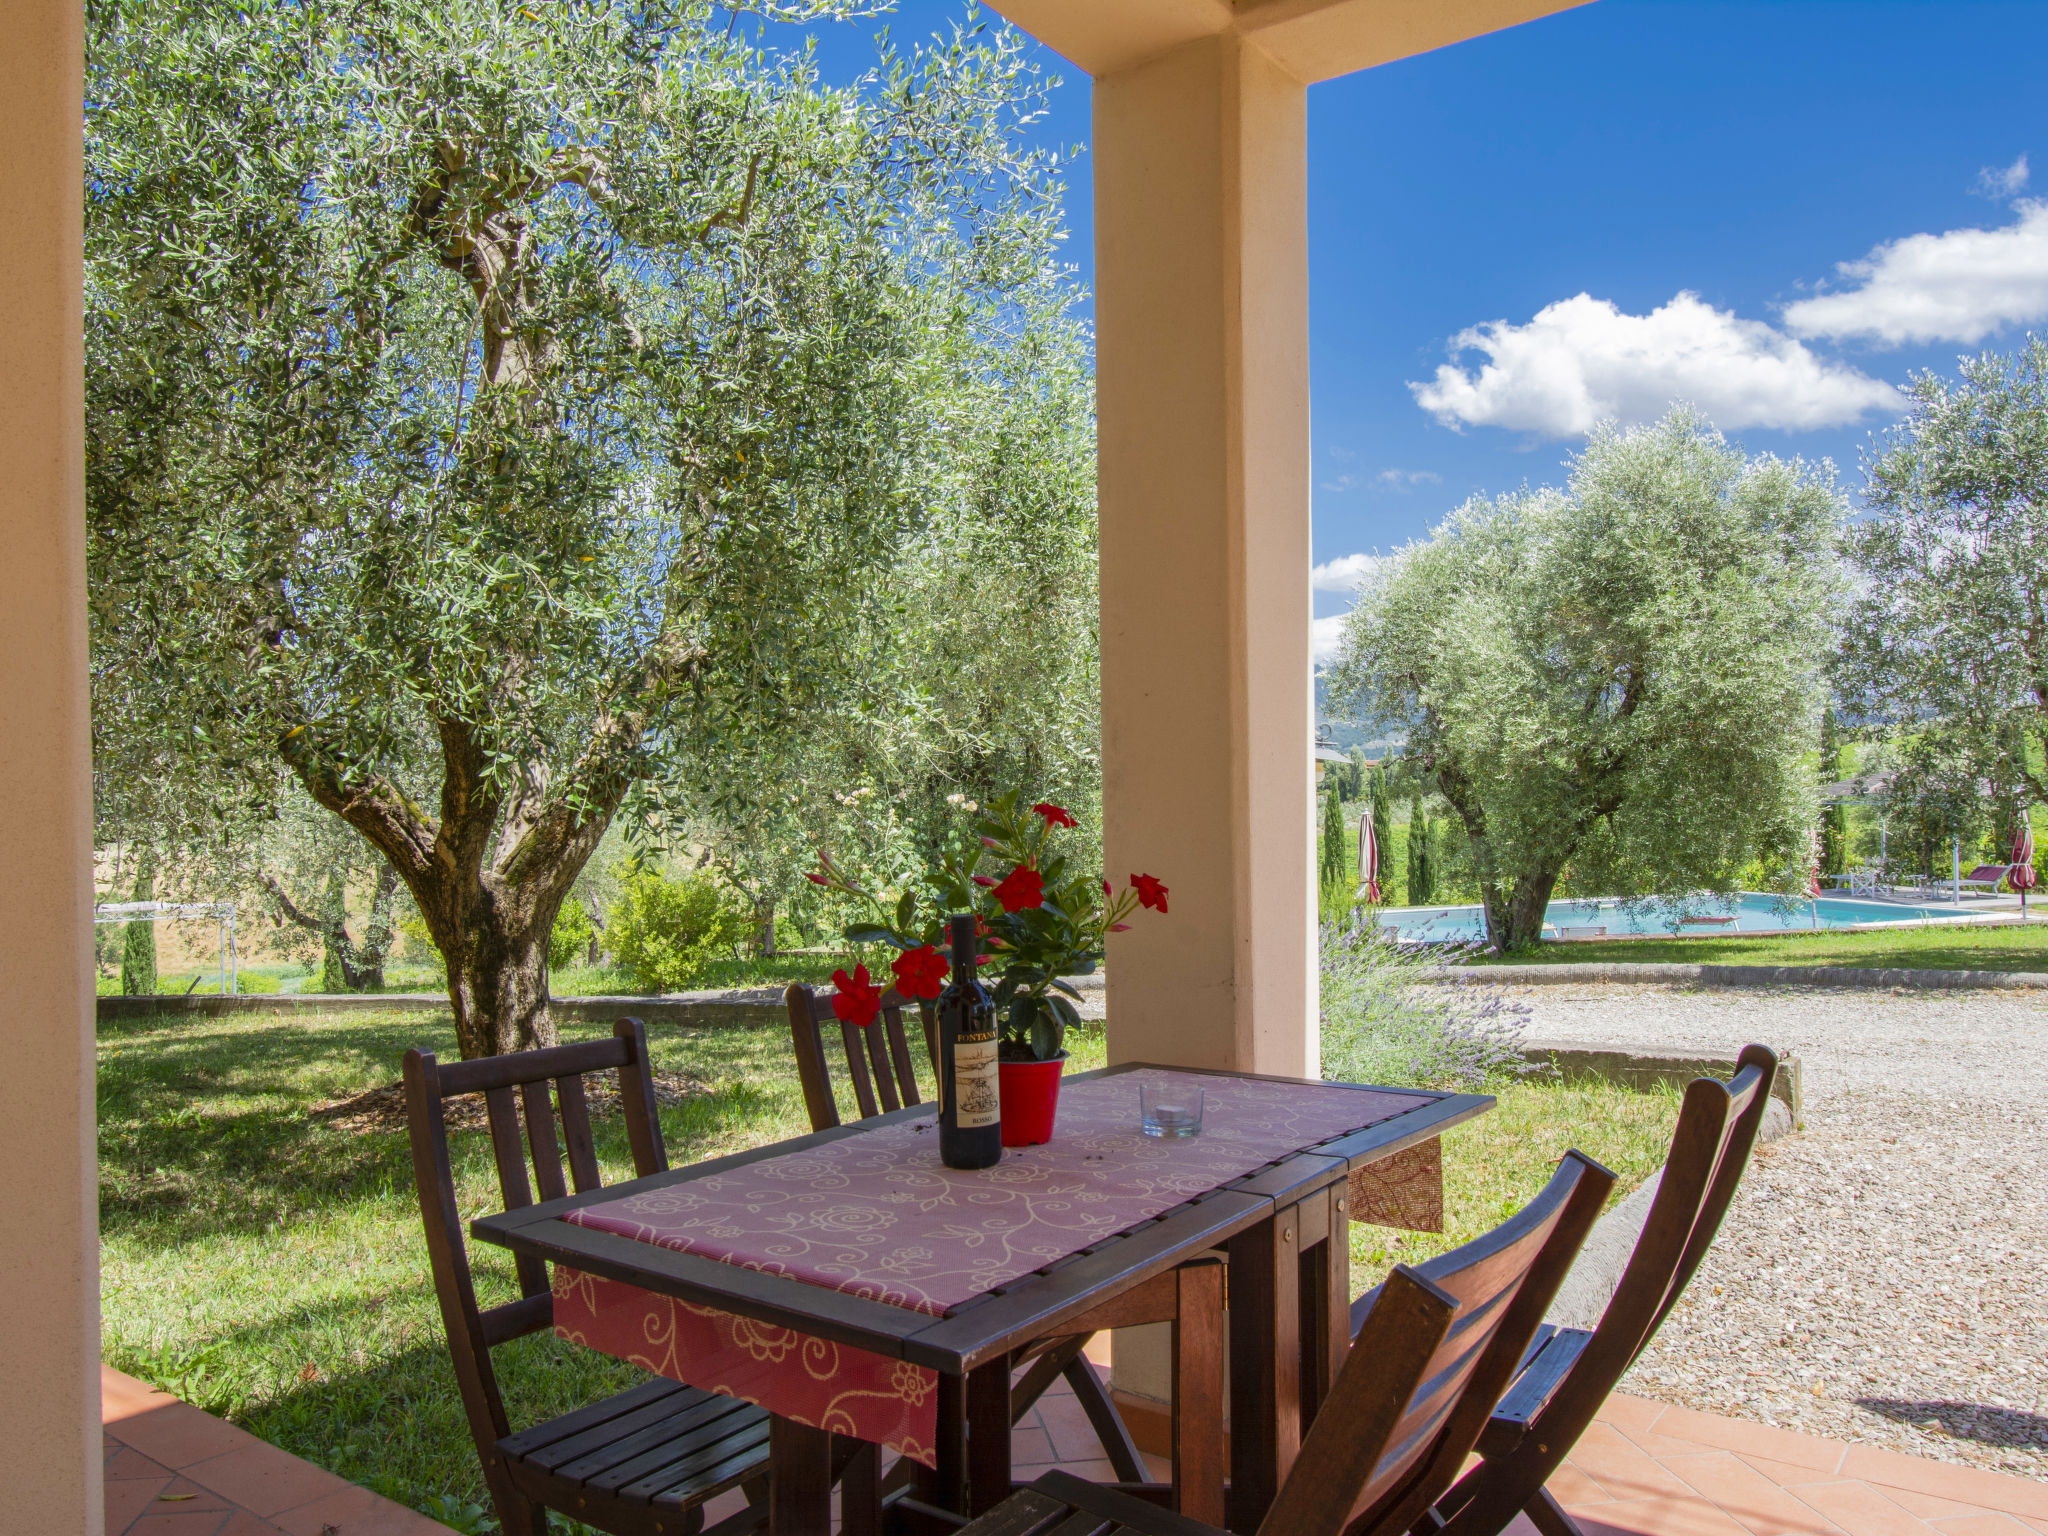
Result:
pixel 1436 1346
pixel 1569 1372
pixel 640 1463
pixel 878 1066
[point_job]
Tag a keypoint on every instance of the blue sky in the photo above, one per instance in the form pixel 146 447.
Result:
pixel 1776 209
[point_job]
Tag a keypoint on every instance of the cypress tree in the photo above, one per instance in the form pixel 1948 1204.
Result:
pixel 1424 841
pixel 138 942
pixel 1382 816
pixel 1332 862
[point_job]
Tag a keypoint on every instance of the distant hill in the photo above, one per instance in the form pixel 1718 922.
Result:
pixel 1346 735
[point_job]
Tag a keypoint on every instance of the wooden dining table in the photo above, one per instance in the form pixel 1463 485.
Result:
pixel 867 1296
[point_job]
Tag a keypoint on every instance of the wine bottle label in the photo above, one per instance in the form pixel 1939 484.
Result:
pixel 976 1095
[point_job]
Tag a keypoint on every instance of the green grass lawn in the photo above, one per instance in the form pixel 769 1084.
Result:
pixel 2012 948
pixel 268 1266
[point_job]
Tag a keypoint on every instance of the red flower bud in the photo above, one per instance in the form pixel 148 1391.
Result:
pixel 984 880
pixel 817 879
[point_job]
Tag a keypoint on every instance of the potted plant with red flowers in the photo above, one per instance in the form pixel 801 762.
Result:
pixel 1041 919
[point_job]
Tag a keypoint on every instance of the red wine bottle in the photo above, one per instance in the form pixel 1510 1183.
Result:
pixel 970 1101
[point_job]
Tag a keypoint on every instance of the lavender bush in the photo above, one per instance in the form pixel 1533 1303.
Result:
pixel 1387 1020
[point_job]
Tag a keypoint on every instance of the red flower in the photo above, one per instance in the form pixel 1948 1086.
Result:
pixel 920 972
pixel 1022 887
pixel 1055 815
pixel 980 926
pixel 1150 892
pixel 857 999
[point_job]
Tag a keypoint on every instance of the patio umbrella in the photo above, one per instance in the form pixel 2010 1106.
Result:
pixel 2021 874
pixel 1369 858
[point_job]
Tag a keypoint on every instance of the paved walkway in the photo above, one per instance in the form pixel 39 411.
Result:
pixel 174 1471
pixel 1644 1469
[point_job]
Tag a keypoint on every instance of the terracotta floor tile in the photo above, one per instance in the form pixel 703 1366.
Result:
pixel 1572 1486
pixel 178 1434
pixel 242 1523
pixel 1760 1505
pixel 1521 1525
pixel 358 1512
pixel 192 1522
pixel 1653 1444
pixel 127 1501
pixel 122 1396
pixel 1067 1424
pixel 263 1479
pixel 1748 1439
pixel 1631 1413
pixel 1969 1485
pixel 128 1462
pixel 1862 1510
pixel 1983 1525
pixel 1785 1475
pixel 1684 1516
pixel 1611 1460
pixel 1928 1507
pixel 187 1494
pixel 1030 1447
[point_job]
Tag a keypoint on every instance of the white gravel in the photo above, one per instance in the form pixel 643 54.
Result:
pixel 1883 1277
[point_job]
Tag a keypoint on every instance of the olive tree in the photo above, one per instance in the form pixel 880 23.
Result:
pixel 1950 624
pixel 490 402
pixel 1622 678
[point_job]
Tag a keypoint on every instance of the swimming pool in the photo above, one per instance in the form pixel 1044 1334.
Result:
pixel 1606 917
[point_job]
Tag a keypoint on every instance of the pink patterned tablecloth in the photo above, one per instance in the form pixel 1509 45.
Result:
pixel 877 1215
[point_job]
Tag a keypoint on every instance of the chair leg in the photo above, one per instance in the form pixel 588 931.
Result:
pixel 1549 1516
pixel 517 1514
pixel 1107 1423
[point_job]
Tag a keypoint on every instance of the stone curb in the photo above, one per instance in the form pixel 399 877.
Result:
pixel 1635 1069
pixel 1739 976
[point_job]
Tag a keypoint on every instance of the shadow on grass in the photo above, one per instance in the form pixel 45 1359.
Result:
pixel 1966 1421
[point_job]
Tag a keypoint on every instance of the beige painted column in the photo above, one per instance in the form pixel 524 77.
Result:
pixel 1207 702
pixel 49 1227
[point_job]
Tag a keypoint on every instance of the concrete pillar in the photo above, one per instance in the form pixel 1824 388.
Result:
pixel 1207 703
pixel 49 1238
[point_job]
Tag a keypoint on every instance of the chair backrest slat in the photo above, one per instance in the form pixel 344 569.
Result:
pixel 850 1035
pixel 1401 1417
pixel 576 1132
pixel 540 1139
pixel 509 1084
pixel 879 1065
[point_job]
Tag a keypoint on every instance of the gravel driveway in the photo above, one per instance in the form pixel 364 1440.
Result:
pixel 1884 1275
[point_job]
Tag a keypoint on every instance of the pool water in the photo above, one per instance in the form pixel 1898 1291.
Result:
pixel 1748 912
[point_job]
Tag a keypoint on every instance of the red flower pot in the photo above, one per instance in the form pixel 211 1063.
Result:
pixel 1031 1098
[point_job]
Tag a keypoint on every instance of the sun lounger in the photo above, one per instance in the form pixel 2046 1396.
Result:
pixel 1985 877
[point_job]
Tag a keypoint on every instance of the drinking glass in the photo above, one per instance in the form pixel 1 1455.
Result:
pixel 1171 1109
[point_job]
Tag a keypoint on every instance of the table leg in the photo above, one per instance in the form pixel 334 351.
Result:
pixel 799 1478
pixel 945 1485
pixel 1265 1364
pixel 988 1435
pixel 1325 1307
pixel 1198 1346
pixel 860 1492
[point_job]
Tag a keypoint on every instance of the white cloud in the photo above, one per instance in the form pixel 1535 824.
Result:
pixel 2002 181
pixel 1403 478
pixel 1958 286
pixel 1324 635
pixel 1581 361
pixel 1344 573
pixel 1342 483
